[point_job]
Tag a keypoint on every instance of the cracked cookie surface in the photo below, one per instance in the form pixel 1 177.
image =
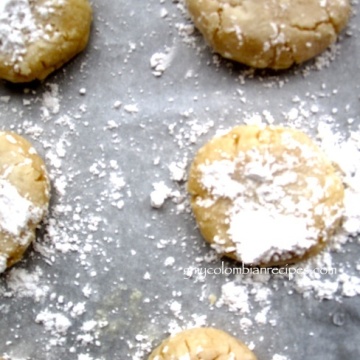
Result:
pixel 24 196
pixel 202 343
pixel 269 33
pixel 39 36
pixel 265 195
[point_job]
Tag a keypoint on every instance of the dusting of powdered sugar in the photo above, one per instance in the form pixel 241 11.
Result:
pixel 160 61
pixel 16 212
pixel 55 323
pixel 19 28
pixel 345 154
pixel 278 234
pixel 24 283
pixel 3 263
pixel 279 357
pixel 160 193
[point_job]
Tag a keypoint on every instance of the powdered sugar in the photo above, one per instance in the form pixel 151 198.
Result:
pixel 279 357
pixel 160 61
pixel 19 28
pixel 160 193
pixel 236 297
pixel 23 283
pixel 277 234
pixel 50 104
pixel 3 263
pixel 16 212
pixel 346 155
pixel 56 323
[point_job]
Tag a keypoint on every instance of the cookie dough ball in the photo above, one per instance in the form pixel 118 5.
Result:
pixel 269 33
pixel 202 343
pixel 24 196
pixel 39 36
pixel 265 195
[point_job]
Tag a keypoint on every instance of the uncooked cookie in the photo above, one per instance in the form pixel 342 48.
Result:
pixel 24 196
pixel 39 36
pixel 269 33
pixel 265 195
pixel 202 343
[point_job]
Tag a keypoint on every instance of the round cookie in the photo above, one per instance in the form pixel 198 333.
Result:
pixel 202 343
pixel 269 33
pixel 265 195
pixel 24 196
pixel 39 36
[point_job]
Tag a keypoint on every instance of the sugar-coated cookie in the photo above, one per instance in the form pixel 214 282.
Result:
pixel 24 196
pixel 39 36
pixel 202 343
pixel 269 33
pixel 265 195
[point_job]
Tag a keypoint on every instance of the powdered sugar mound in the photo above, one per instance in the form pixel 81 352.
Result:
pixel 279 357
pixel 322 289
pixel 236 297
pixel 16 212
pixel 56 324
pixel 50 102
pixel 160 61
pixel 131 108
pixel 160 193
pixel 84 357
pixel 249 296
pixel 246 324
pixel 350 285
pixel 117 185
pixel 178 170
pixel 277 233
pixel 191 131
pixel 187 33
pixel 23 283
pixel 261 316
pixel 89 333
pixel 142 346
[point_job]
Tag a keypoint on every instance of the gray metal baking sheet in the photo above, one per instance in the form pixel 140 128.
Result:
pixel 105 278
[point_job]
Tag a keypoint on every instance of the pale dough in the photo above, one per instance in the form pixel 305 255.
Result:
pixel 24 196
pixel 39 36
pixel 265 195
pixel 269 33
pixel 202 344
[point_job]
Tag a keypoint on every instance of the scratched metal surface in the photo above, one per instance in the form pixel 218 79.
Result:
pixel 115 266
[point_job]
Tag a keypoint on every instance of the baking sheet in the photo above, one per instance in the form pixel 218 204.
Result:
pixel 107 275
